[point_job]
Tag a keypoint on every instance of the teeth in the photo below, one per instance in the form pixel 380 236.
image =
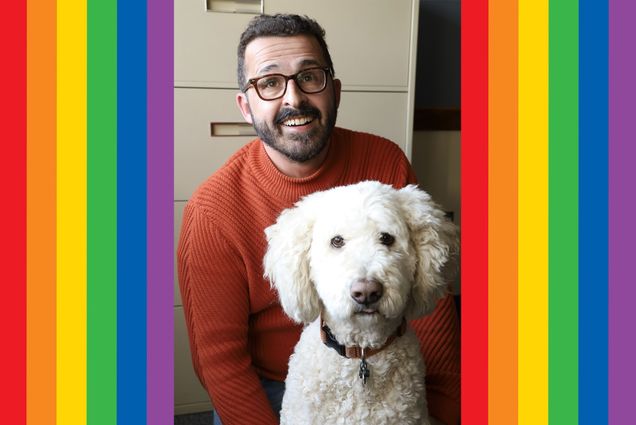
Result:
pixel 297 121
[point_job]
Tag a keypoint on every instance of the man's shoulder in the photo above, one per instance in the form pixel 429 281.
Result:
pixel 366 141
pixel 370 146
pixel 373 157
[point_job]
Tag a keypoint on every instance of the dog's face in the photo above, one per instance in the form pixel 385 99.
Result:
pixel 361 253
pixel 361 258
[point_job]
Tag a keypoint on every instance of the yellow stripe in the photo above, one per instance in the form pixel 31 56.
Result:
pixel 533 212
pixel 71 212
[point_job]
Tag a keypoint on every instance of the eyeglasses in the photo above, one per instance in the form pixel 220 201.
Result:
pixel 274 86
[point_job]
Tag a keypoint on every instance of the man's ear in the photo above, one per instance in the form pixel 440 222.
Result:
pixel 244 107
pixel 337 88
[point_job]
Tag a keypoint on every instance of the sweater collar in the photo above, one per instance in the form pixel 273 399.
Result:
pixel 290 189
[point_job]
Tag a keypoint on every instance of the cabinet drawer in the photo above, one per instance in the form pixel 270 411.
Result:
pixel 384 114
pixel 197 154
pixel 369 40
pixel 205 45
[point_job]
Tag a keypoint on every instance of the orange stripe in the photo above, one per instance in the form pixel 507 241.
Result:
pixel 41 193
pixel 502 208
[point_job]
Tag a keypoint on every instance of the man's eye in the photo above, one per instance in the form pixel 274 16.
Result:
pixel 269 83
pixel 337 242
pixel 306 77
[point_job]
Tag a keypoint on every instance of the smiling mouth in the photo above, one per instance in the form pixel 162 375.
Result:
pixel 297 121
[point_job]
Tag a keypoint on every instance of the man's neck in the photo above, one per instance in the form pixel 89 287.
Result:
pixel 296 169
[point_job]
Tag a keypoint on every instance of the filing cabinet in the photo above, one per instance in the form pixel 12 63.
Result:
pixel 371 41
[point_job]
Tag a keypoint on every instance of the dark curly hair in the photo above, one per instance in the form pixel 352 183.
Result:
pixel 280 25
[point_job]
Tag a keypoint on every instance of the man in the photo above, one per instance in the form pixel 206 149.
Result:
pixel 240 338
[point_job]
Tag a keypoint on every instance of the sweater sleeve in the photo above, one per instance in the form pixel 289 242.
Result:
pixel 439 338
pixel 216 305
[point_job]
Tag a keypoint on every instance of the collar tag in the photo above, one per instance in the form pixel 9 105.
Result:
pixel 364 372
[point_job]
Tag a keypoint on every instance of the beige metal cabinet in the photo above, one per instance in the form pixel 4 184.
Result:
pixel 373 46
pixel 371 41
pixel 197 153
pixel 384 114
pixel 205 45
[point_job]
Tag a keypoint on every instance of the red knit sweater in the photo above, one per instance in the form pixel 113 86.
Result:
pixel 237 328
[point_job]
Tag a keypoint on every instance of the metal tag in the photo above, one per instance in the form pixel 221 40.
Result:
pixel 364 371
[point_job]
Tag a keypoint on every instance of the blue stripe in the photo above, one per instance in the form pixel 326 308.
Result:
pixel 131 212
pixel 593 211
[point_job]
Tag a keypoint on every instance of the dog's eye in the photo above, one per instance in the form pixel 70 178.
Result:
pixel 386 239
pixel 337 242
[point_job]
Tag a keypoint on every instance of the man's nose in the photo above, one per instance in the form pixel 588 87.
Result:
pixel 293 95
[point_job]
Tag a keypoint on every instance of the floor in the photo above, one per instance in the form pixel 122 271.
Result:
pixel 203 418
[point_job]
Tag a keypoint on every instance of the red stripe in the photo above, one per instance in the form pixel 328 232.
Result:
pixel 13 177
pixel 474 216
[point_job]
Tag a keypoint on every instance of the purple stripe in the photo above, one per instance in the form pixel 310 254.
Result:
pixel 622 210
pixel 160 359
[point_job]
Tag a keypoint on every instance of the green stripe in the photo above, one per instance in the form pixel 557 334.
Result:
pixel 102 213
pixel 563 213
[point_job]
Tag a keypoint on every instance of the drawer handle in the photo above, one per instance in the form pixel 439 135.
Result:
pixel 234 6
pixel 224 129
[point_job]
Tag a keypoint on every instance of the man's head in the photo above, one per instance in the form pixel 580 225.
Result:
pixel 280 25
pixel 298 119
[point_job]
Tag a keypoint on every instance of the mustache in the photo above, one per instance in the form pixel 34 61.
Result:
pixel 304 110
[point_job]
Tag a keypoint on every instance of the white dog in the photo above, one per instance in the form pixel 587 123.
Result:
pixel 355 263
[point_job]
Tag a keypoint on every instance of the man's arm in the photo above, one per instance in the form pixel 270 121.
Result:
pixel 439 339
pixel 216 305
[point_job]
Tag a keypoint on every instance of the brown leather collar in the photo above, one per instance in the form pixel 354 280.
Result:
pixel 356 352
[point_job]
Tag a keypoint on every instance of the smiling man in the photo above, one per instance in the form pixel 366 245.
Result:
pixel 285 103
pixel 240 338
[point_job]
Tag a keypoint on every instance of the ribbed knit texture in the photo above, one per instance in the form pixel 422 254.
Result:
pixel 237 328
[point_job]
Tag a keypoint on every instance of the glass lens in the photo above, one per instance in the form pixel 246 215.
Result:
pixel 271 86
pixel 311 80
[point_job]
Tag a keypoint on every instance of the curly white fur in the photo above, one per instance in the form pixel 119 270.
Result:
pixel 313 275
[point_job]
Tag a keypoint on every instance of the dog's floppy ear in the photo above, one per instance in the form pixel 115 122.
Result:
pixel 436 243
pixel 286 262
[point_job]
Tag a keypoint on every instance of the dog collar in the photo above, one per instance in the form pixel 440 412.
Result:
pixel 354 351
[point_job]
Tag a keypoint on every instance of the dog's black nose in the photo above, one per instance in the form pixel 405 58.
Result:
pixel 366 291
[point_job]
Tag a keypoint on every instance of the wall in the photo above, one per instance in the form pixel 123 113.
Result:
pixel 436 155
pixel 438 55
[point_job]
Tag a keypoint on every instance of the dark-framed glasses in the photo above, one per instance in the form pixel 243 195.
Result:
pixel 274 86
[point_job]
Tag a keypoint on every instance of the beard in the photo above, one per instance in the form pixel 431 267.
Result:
pixel 297 147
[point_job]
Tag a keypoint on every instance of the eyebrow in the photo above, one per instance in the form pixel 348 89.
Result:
pixel 267 68
pixel 274 67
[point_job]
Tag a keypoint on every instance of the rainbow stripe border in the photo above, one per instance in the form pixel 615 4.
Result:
pixel 91 189
pixel 547 90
